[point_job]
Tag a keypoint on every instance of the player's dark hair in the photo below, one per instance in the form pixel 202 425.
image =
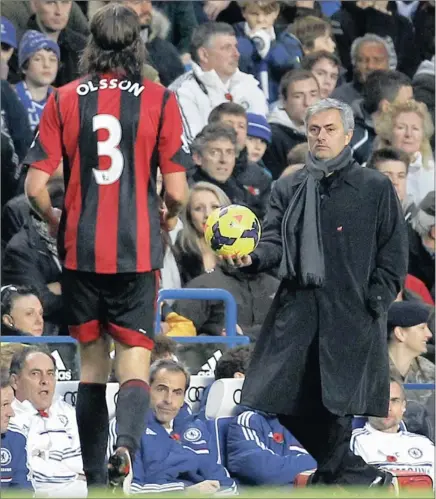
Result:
pixel 163 345
pixel 115 44
pixel 293 76
pixel 19 358
pixel 170 365
pixel 5 378
pixel 10 293
pixel 233 361
pixel 383 85
pixel 226 108
pixel 388 154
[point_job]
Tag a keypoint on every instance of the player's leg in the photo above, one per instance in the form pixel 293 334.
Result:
pixel 131 313
pixel 81 298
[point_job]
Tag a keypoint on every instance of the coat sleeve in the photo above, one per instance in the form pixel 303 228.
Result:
pixel 251 460
pixel 390 270
pixel 191 114
pixel 257 101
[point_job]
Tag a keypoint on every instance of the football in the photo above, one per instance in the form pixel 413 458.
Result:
pixel 232 230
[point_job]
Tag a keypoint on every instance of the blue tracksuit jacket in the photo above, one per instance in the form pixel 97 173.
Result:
pixel 14 469
pixel 171 462
pixel 260 451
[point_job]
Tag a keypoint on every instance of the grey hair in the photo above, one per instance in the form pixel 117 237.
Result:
pixel 344 109
pixel 210 133
pixel 203 34
pixel 373 38
pixel 170 365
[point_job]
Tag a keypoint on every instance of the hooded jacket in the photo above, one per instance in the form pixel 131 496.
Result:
pixel 364 133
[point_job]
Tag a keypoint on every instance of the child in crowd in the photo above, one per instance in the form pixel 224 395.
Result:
pixel 38 58
pixel 8 45
pixel 263 53
pixel 258 137
pixel 314 34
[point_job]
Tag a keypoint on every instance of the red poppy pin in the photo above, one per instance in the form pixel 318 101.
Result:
pixel 229 97
pixel 175 436
pixel 391 459
pixel 278 437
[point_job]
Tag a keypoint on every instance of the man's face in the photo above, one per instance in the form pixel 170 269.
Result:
pixel 222 55
pixel 218 159
pixel 167 395
pixel 6 398
pixel 326 74
pixel 415 338
pixel 143 8
pixel 42 68
pixel 397 407
pixel 52 14
pixel 36 382
pixel 397 172
pixel 301 95
pixel 239 124
pixel 326 135
pixel 257 18
pixel 370 57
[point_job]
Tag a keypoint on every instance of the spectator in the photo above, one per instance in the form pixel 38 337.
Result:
pixel 423 21
pixel 252 185
pixel 422 246
pixel 9 172
pixel 408 126
pixel 192 254
pixel 49 426
pixel 314 34
pixel 368 53
pixel 326 68
pixel 214 79
pixel 161 463
pixel 258 137
pixel 22 310
pixel 14 469
pixel 424 88
pixel 264 53
pixel 380 89
pixel 253 294
pixel 299 89
pixel 161 53
pixel 296 159
pixel 385 442
pixel 51 19
pixel 8 45
pixel 164 348
pixel 38 58
pixel 7 351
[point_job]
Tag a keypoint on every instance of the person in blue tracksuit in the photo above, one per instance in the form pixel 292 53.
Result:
pixel 14 469
pixel 174 453
pixel 260 451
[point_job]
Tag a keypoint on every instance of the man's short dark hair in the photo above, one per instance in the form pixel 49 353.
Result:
pixel 202 35
pixel 226 108
pixel 310 60
pixel 233 361
pixel 170 365
pixel 214 131
pixel 395 379
pixel 163 345
pixel 293 76
pixel 19 358
pixel 5 378
pixel 383 85
pixel 387 154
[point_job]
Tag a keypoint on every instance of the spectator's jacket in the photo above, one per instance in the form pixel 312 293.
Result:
pixel 421 261
pixel 53 449
pixel 172 461
pixel 348 92
pixel 285 54
pixel 261 451
pixel 396 451
pixel 14 469
pixel 198 92
pixel 364 133
pixel 285 136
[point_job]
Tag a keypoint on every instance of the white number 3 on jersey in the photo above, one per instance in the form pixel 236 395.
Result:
pixel 109 148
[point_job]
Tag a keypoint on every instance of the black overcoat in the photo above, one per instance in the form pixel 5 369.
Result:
pixel 365 251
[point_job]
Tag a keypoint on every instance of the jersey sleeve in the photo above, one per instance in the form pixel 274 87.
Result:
pixel 45 152
pixel 173 151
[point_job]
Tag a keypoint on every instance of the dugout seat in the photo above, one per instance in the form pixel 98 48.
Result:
pixel 224 397
pixel 195 391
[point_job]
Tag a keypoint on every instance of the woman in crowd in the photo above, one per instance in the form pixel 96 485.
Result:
pixel 22 311
pixel 191 251
pixel 408 127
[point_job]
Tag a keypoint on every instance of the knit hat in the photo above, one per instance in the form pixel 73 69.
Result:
pixel 9 35
pixel 258 127
pixel 407 314
pixel 32 42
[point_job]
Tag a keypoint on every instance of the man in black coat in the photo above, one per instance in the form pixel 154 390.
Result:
pixel 338 235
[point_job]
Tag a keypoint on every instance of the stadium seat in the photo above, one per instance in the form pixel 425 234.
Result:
pixel 195 391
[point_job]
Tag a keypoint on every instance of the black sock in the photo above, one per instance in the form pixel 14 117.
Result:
pixel 93 423
pixel 132 406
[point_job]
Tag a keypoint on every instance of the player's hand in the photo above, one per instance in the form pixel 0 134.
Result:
pixel 237 261
pixel 167 222
pixel 53 221
pixel 212 8
pixel 205 487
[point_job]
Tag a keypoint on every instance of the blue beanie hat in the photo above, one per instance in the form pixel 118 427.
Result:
pixel 32 42
pixel 258 127
pixel 9 34
pixel 407 314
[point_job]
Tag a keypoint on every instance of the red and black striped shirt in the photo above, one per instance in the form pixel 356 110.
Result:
pixel 105 129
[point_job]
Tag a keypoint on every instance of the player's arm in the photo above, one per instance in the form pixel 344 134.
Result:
pixel 43 158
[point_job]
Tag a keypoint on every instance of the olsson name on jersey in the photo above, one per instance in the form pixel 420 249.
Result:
pixel 131 87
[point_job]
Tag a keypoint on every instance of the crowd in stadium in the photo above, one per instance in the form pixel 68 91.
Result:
pixel 244 74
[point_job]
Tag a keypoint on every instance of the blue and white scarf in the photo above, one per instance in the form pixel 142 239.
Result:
pixel 33 108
